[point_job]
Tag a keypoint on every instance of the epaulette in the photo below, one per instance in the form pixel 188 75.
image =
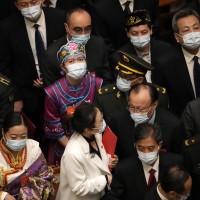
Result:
pixel 191 141
pixel 4 80
pixel 107 89
pixel 160 89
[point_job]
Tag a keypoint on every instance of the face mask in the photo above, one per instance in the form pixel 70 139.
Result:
pixel 191 40
pixel 140 41
pixel 184 197
pixel 102 127
pixel 123 84
pixel 139 118
pixel 148 158
pixel 82 39
pixel 32 12
pixel 16 145
pixel 77 70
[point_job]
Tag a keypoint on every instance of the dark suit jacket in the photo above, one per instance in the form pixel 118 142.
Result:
pixel 109 19
pixel 191 118
pixel 96 58
pixel 123 126
pixel 69 4
pixel 16 57
pixel 159 51
pixel 129 181
pixel 175 77
pixel 152 194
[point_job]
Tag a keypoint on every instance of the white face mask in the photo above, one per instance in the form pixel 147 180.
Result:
pixel 31 13
pixel 77 70
pixel 81 39
pixel 102 127
pixel 16 145
pixel 123 84
pixel 191 40
pixel 184 197
pixel 148 158
pixel 139 118
pixel 140 41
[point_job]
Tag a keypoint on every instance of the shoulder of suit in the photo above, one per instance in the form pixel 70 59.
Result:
pixel 107 89
pixel 4 80
pixel 192 141
pixel 160 89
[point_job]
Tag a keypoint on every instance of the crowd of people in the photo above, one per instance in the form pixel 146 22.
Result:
pixel 73 68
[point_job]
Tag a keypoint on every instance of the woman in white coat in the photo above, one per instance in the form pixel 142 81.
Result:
pixel 84 165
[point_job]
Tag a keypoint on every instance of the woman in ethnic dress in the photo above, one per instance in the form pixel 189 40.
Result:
pixel 24 173
pixel 62 97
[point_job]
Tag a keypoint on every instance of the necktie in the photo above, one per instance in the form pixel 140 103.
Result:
pixel 196 71
pixel 127 9
pixel 39 45
pixel 47 3
pixel 152 178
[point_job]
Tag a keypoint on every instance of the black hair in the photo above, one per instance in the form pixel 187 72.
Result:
pixel 146 130
pixel 145 23
pixel 148 86
pixel 13 119
pixel 174 178
pixel 181 14
pixel 73 10
pixel 84 117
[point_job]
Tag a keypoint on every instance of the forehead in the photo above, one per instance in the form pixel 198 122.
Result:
pixel 17 130
pixel 26 1
pixel 146 142
pixel 140 98
pixel 80 55
pixel 140 28
pixel 80 19
pixel 187 21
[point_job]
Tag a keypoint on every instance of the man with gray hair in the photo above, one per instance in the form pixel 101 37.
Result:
pixel 182 77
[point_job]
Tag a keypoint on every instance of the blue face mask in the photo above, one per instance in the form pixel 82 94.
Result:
pixel 82 39
pixel 16 145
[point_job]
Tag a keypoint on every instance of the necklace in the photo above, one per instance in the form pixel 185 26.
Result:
pixel 17 162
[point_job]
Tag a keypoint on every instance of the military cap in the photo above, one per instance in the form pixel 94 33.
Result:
pixel 132 64
pixel 138 17
pixel 69 49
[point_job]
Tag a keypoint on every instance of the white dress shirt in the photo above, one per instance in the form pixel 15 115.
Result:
pixel 31 36
pixel 131 5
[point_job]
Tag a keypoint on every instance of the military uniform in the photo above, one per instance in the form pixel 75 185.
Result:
pixel 6 98
pixel 110 99
pixel 192 161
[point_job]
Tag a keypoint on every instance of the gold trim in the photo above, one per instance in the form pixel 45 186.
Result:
pixel 3 80
pixel 133 70
pixel 100 91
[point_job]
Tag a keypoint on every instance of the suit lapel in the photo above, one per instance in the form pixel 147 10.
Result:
pixel 22 33
pixel 183 71
pixel 93 157
pixel 140 177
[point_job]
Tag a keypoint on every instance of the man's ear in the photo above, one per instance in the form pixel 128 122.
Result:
pixel 177 37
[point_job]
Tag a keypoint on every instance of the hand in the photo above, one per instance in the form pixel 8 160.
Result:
pixel 18 106
pixel 63 141
pixel 109 179
pixel 9 197
pixel 113 161
pixel 38 83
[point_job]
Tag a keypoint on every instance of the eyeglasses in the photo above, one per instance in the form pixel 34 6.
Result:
pixel 139 110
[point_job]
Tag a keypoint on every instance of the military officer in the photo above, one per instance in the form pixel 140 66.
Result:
pixel 192 160
pixel 131 71
pixel 6 98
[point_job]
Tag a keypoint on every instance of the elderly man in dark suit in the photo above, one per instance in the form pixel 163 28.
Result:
pixel 134 176
pixel 142 108
pixel 175 183
pixel 22 46
pixel 180 74
pixel 78 26
pixel 109 18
